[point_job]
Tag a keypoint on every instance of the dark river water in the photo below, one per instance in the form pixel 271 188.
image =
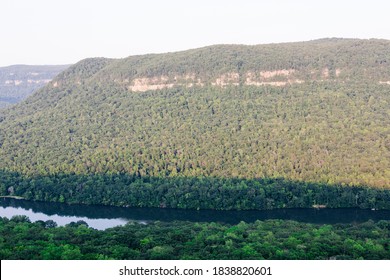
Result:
pixel 102 217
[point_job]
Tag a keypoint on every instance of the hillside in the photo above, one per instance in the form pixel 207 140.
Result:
pixel 226 127
pixel 19 81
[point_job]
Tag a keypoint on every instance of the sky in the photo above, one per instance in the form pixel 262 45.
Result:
pixel 66 31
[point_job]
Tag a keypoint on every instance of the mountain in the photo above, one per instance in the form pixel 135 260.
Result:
pixel 221 127
pixel 19 81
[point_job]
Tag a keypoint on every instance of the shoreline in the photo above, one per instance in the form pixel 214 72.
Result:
pixel 11 196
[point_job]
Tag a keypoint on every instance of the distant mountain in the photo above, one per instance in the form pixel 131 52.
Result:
pixel 225 127
pixel 19 81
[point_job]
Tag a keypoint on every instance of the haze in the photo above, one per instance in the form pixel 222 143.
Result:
pixel 63 32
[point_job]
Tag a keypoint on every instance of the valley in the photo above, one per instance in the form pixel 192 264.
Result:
pixel 17 82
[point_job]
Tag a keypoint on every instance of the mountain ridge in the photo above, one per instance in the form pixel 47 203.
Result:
pixel 293 111
pixel 269 64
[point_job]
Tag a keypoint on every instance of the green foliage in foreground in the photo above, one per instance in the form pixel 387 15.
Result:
pixel 272 239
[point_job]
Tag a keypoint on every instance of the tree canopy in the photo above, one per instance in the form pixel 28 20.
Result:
pixel 314 113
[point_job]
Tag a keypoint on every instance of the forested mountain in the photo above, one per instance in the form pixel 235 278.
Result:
pixel 226 127
pixel 19 81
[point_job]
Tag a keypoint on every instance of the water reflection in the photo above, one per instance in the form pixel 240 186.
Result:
pixel 101 217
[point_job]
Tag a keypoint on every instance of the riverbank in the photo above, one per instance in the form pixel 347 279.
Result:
pixel 11 196
pixel 102 217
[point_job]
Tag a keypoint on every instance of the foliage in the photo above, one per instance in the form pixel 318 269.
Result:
pixel 90 139
pixel 272 239
pixel 189 192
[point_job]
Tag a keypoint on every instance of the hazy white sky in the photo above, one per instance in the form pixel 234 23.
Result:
pixel 66 31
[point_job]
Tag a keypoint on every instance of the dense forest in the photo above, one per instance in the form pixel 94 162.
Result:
pixel 191 192
pixel 17 82
pixel 272 239
pixel 221 127
pixel 227 127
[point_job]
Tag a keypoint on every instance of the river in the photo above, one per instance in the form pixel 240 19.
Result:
pixel 102 217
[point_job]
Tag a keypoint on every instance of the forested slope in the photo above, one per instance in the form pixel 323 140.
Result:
pixel 235 118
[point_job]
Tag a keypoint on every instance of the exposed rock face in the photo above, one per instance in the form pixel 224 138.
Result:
pixel 275 65
pixel 308 112
pixel 281 77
